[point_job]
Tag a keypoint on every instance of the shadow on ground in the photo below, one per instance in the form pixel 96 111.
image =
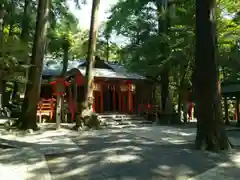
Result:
pixel 116 155
pixel 123 156
pixel 22 164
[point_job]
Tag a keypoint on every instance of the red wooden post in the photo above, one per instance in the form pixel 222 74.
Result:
pixel 114 98
pixel 130 98
pixel 71 104
pixel 123 102
pixel 119 100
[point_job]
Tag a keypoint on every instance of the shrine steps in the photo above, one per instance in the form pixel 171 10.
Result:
pixel 123 120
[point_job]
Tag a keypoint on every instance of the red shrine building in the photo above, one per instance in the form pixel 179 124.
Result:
pixel 115 88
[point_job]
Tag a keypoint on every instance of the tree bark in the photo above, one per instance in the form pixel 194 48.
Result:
pixel 28 117
pixel 164 88
pixel 162 8
pixel 88 98
pixel 25 21
pixel 25 36
pixel 211 134
pixel 60 99
pixel 2 14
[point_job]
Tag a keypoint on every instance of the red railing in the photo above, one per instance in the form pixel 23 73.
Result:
pixel 46 107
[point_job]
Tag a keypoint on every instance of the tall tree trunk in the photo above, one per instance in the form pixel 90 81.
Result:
pixel 24 38
pixel 25 21
pixel 164 88
pixel 2 13
pixel 28 117
pixel 107 49
pixel 60 99
pixel 88 98
pixel 162 8
pixel 211 134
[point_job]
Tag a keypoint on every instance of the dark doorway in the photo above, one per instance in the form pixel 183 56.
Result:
pixel 108 96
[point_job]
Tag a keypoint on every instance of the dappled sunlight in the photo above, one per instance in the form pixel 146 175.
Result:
pixel 22 163
pixel 181 172
pixel 46 144
pixel 235 158
pixel 106 154
pixel 63 168
pixel 119 154
pixel 121 159
pixel 165 135
pixel 178 132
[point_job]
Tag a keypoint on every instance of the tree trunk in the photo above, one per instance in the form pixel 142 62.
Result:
pixel 2 13
pixel 1 93
pixel 60 99
pixel 162 7
pixel 88 98
pixel 28 117
pixel 108 49
pixel 164 89
pixel 25 34
pixel 25 21
pixel 211 134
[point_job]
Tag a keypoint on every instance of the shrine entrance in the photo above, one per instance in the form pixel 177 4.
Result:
pixel 110 97
pixel 115 98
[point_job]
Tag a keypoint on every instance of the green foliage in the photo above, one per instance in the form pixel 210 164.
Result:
pixel 61 36
pixel 13 55
pixel 149 52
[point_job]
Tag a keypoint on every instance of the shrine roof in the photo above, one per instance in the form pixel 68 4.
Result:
pixel 230 87
pixel 108 73
pixel 54 68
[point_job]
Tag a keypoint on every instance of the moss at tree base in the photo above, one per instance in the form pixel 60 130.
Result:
pixel 87 119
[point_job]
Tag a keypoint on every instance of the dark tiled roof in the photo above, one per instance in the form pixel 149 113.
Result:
pixel 54 68
pixel 230 88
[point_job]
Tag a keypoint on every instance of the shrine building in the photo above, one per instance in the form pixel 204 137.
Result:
pixel 115 88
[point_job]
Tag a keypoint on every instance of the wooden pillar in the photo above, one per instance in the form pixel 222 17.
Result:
pixel 130 99
pixel 75 97
pixel 119 100
pixel 101 98
pixel 124 102
pixel 97 102
pixel 71 102
pixel 108 97
pixel 114 98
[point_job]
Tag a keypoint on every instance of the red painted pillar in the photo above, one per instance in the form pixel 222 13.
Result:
pixel 119 100
pixel 130 99
pixel 101 100
pixel 97 102
pixel 114 98
pixel 123 102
